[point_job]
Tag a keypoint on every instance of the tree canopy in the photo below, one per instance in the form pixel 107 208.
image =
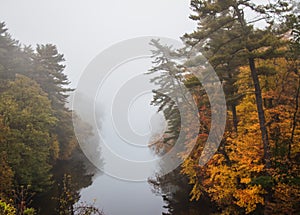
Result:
pixel 256 168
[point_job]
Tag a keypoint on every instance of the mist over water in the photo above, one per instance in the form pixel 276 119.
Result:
pixel 113 195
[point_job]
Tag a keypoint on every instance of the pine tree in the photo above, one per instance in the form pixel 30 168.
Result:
pixel 241 41
pixel 241 173
pixel 10 56
pixel 166 97
pixel 48 72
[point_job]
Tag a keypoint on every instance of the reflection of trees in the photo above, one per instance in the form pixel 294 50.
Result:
pixel 68 198
pixel 175 189
pixel 78 169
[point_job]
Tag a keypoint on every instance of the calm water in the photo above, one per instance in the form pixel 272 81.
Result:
pixel 118 197
pixel 115 196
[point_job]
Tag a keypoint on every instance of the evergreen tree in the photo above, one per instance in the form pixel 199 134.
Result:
pixel 49 74
pixel 167 76
pixel 10 55
pixel 247 173
pixel 241 43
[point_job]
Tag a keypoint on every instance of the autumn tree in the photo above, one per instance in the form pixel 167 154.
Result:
pixel 259 71
pixel 28 118
pixel 6 177
pixel 241 40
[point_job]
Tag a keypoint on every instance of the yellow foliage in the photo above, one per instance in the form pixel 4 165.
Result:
pixel 249 198
pixel 6 209
pixel 245 180
pixel 229 178
pixel 54 149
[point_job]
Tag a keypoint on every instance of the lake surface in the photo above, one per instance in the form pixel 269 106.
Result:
pixel 116 196
pixel 120 197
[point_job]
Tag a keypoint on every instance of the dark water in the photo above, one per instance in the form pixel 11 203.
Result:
pixel 81 172
pixel 171 197
pixel 116 197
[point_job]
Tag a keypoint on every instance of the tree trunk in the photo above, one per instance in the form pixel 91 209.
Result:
pixel 234 118
pixel 294 121
pixel 261 114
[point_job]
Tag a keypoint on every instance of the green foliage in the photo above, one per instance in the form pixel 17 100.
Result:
pixel 29 211
pixel 6 176
pixel 266 182
pixel 166 98
pixel 35 124
pixel 48 72
pixel 28 116
pixel 6 209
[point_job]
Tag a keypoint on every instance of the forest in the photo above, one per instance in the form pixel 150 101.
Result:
pixel 255 169
pixel 37 142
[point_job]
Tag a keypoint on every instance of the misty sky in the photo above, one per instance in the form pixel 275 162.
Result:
pixel 82 29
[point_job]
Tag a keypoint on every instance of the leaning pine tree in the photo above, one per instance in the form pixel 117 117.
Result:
pixel 230 39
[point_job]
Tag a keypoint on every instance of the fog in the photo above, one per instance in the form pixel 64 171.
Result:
pixel 81 30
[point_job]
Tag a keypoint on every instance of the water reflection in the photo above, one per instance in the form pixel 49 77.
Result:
pixel 175 191
pixel 81 172
pixel 117 197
